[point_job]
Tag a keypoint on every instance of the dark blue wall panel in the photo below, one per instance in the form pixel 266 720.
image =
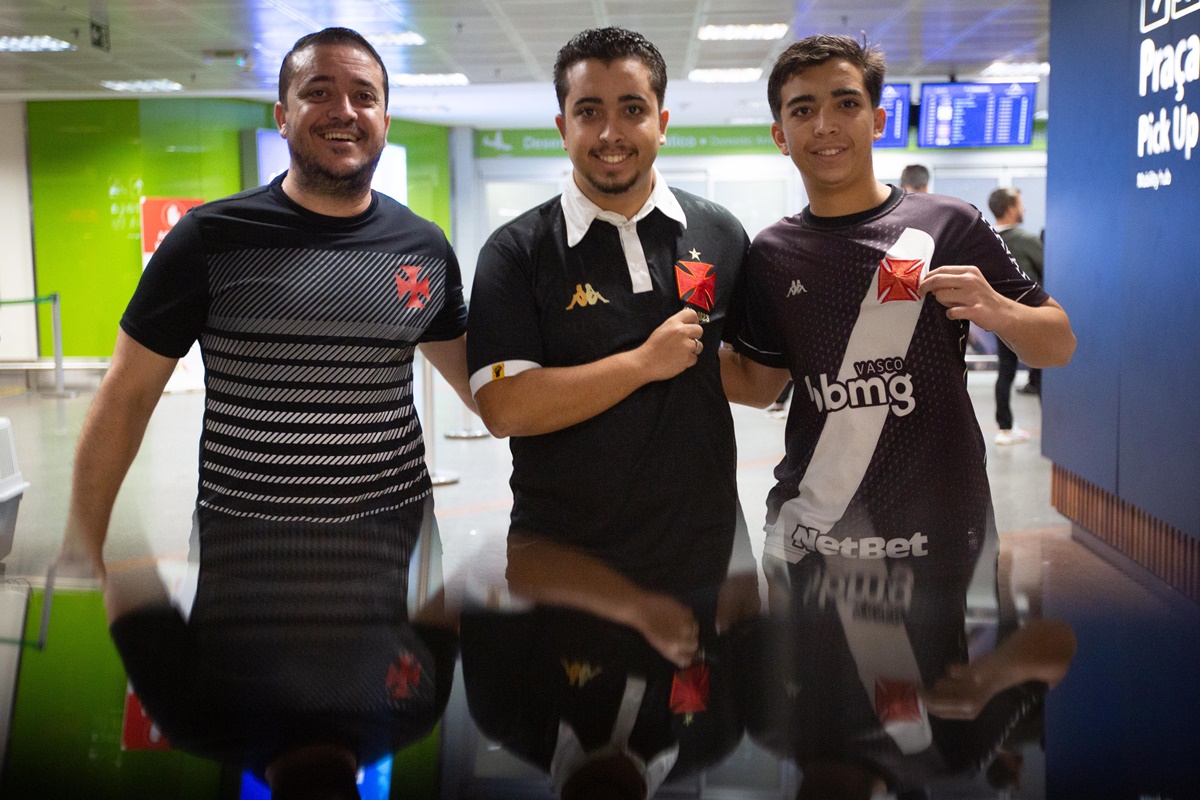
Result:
pixel 1124 260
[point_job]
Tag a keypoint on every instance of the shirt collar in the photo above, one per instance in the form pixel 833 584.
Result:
pixel 1000 228
pixel 580 212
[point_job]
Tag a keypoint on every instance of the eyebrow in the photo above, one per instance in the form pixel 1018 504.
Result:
pixel 848 91
pixel 331 79
pixel 625 98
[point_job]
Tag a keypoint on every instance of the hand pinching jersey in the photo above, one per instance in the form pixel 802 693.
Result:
pixel 884 457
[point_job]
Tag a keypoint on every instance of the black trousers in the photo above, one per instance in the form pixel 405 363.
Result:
pixel 1006 371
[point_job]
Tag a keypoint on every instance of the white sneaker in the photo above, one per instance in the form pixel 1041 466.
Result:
pixel 1013 436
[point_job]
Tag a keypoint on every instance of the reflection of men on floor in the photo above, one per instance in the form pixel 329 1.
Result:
pixel 1009 210
pixel 595 324
pixel 590 700
pixel 309 297
pixel 863 678
pixel 883 454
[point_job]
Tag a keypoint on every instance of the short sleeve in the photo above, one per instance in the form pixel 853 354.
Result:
pixel 984 248
pixel 503 332
pixel 754 333
pixel 451 320
pixel 169 308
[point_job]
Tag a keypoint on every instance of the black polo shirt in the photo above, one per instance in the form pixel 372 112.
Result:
pixel 649 485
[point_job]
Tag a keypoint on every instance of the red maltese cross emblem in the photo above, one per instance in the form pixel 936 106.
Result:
pixel 899 279
pixel 407 284
pixel 403 676
pixel 697 283
pixel 689 691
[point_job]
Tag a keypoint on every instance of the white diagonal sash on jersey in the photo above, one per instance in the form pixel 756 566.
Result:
pixel 882 649
pixel 850 435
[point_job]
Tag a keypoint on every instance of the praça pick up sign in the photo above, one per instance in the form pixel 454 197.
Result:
pixel 1168 62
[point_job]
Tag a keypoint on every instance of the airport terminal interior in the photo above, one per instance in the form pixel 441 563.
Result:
pixel 1130 675
pixel 1053 657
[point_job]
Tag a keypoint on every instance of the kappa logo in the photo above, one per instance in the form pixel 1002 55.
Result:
pixel 899 279
pixel 585 295
pixel 407 284
pixel 580 672
pixel 697 282
pixel 796 288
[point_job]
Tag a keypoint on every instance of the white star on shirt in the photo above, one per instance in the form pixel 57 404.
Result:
pixel 695 253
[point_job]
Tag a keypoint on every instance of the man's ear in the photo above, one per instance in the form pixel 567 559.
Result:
pixel 880 122
pixel 561 122
pixel 780 139
pixel 281 119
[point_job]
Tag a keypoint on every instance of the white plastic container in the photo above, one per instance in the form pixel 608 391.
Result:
pixel 12 486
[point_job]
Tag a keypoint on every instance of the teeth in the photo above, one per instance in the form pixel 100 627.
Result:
pixel 613 159
pixel 832 152
pixel 345 137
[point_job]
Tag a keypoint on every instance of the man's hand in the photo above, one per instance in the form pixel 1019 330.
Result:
pixel 673 346
pixel 78 557
pixel 962 692
pixel 1041 336
pixel 967 295
pixel 668 625
pixel 737 600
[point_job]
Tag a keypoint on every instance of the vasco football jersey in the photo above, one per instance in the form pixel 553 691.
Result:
pixel 649 485
pixel 307 324
pixel 884 457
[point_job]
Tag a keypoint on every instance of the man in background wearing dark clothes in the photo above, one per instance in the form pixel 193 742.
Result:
pixel 1009 210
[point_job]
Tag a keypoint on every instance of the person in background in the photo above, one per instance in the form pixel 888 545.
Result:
pixel 1026 249
pixel 915 178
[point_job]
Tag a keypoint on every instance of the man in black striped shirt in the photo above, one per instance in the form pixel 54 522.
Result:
pixel 309 297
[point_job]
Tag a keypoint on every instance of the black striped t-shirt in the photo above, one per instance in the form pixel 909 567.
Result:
pixel 307 325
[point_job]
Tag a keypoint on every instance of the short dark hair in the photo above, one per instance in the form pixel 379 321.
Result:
pixel 607 45
pixel 1001 200
pixel 914 175
pixel 816 50
pixel 329 36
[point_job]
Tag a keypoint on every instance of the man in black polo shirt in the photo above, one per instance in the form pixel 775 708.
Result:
pixel 595 323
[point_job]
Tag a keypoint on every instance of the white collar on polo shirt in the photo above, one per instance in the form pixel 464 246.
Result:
pixel 580 212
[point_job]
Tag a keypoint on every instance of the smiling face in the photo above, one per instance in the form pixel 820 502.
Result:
pixel 612 128
pixel 828 127
pixel 335 122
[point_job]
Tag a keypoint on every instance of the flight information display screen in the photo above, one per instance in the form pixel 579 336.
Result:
pixel 895 99
pixel 976 114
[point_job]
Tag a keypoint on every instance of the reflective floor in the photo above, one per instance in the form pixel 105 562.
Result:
pixel 844 670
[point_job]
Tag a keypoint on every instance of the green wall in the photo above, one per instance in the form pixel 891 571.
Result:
pixel 66 727
pixel 90 162
pixel 428 156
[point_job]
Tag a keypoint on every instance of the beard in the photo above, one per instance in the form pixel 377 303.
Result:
pixel 612 187
pixel 314 177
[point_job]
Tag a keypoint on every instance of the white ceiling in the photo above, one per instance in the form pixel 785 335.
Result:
pixel 506 48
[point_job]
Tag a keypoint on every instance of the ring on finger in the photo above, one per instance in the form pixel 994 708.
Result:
pixel 696 347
